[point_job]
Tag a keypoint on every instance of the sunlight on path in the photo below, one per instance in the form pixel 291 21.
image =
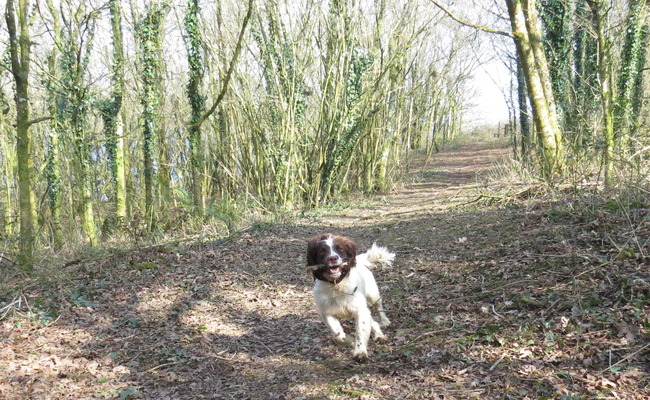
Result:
pixel 447 179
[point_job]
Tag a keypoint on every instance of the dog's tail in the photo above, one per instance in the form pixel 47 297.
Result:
pixel 380 255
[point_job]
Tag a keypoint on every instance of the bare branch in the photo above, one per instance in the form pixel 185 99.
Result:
pixel 469 24
pixel 231 67
pixel 39 119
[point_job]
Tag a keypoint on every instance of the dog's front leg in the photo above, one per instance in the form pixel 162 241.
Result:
pixel 363 327
pixel 337 330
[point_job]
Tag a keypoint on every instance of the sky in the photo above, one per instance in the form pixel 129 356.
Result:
pixel 491 80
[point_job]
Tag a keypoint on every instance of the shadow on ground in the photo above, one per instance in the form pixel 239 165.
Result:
pixel 486 302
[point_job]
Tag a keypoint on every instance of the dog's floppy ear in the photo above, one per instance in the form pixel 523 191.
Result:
pixel 350 248
pixel 312 251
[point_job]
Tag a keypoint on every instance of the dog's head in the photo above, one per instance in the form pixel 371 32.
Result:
pixel 331 257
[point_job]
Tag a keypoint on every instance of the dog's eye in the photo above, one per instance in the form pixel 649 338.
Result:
pixel 338 248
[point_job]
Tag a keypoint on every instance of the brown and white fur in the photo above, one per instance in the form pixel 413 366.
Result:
pixel 344 288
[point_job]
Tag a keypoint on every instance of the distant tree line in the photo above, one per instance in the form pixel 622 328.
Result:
pixel 132 116
pixel 127 114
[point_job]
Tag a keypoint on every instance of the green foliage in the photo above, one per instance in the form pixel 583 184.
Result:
pixel 128 392
pixel 229 211
pixel 286 106
pixel 194 47
pixel 343 142
pixel 145 266
pixel 558 45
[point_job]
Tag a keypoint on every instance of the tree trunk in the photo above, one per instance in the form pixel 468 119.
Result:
pixel 633 60
pixel 77 37
pixel 116 143
pixel 524 119
pixel 600 11
pixel 525 29
pixel 54 183
pixel 556 16
pixel 149 36
pixel 19 47
pixel 8 167
pixel 54 186
pixel 197 102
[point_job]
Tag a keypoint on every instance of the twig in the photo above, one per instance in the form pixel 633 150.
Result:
pixel 627 357
pixel 476 200
pixel 165 365
pixel 496 313
pixel 53 321
pixel 469 24
pixel 9 260
pixel 497 362
pixel 218 357
pixel 592 269
pixel 266 347
pixel 5 310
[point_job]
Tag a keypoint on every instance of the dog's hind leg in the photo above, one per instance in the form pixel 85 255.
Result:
pixel 377 334
pixel 377 306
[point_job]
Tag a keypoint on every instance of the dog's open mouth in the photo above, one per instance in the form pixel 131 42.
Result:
pixel 335 270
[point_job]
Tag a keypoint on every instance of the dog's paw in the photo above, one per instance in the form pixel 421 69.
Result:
pixel 381 338
pixel 360 357
pixel 384 322
pixel 343 341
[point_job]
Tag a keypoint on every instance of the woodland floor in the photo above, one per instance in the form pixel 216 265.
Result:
pixel 525 294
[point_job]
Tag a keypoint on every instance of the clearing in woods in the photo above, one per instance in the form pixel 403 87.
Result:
pixel 527 295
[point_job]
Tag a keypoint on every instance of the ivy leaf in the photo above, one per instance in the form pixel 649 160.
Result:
pixel 128 392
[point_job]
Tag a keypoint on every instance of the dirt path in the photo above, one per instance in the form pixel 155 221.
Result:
pixel 473 314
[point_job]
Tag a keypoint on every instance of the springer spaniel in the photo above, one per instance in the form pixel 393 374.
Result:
pixel 344 287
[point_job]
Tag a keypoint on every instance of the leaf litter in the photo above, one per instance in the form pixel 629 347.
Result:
pixel 539 295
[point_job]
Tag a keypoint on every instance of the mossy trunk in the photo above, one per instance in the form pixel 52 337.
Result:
pixel 20 53
pixel 600 10
pixel 149 38
pixel 197 102
pixel 116 126
pixel 629 80
pixel 54 182
pixel 525 29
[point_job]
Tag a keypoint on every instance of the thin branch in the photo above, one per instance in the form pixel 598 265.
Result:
pixel 37 120
pixel 231 67
pixel 469 24
pixel 626 358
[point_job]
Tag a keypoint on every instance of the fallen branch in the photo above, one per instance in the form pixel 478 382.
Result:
pixel 165 365
pixel 627 357
pixel 497 362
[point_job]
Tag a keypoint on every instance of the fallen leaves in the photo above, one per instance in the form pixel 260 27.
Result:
pixel 533 300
